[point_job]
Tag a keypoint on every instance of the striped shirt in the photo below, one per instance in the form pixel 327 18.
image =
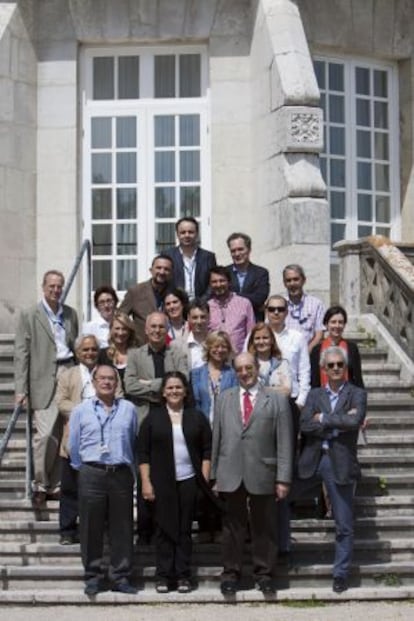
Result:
pixel 307 316
pixel 235 316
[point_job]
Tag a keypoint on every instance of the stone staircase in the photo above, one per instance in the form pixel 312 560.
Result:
pixel 35 568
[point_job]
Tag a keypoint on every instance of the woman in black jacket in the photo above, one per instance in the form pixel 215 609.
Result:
pixel 174 452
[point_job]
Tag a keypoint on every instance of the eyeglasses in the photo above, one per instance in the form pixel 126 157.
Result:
pixel 108 302
pixel 333 365
pixel 276 309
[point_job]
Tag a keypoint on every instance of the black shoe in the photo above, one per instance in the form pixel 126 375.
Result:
pixel 184 586
pixel 339 585
pixel 39 500
pixel 162 586
pixel 92 588
pixel 124 587
pixel 266 586
pixel 228 587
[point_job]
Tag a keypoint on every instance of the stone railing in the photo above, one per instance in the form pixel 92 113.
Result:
pixel 376 277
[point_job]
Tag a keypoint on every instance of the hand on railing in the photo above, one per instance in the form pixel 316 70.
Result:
pixel 20 400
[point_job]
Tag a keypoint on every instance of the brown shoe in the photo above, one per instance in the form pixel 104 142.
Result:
pixel 38 499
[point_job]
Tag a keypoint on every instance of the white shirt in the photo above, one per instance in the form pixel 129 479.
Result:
pixel 294 348
pixel 189 273
pixel 88 389
pixel 252 394
pixel 100 329
pixel 57 327
pixel 195 352
pixel 183 466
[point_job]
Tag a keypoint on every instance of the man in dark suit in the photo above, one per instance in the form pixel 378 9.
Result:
pixel 247 279
pixel 148 297
pixel 192 264
pixel 329 425
pixel 45 338
pixel 252 459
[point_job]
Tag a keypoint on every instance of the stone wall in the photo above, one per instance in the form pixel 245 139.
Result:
pixel 17 164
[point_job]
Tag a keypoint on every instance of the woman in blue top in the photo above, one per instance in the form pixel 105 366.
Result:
pixel 209 380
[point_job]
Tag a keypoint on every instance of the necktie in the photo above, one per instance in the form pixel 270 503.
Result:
pixel 247 407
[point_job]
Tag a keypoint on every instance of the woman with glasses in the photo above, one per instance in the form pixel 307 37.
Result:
pixel 274 371
pixel 335 320
pixel 105 301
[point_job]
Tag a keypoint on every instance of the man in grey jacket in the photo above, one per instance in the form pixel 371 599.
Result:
pixel 252 465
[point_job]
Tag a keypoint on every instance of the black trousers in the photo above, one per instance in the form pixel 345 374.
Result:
pixel 106 498
pixel 174 557
pixel 68 505
pixel 261 509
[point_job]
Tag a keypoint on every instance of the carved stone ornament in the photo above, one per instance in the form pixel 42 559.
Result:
pixel 305 127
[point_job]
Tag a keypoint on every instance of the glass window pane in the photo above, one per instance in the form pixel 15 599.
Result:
pixel 164 236
pixel 336 77
pixel 364 231
pixel 101 204
pixel 101 273
pixel 101 239
pixel 164 76
pixel 337 141
pixel 164 134
pixel 164 167
pixel 363 116
pixel 190 75
pixel 381 114
pixel 382 177
pixel 128 77
pixel 319 67
pixel 189 166
pixel 337 200
pixel 126 132
pixel 364 176
pixel 189 130
pixel 190 202
pixel 126 273
pixel 126 238
pixel 382 209
pixel 337 170
pixel 363 144
pixel 126 167
pixel 362 81
pixel 165 202
pixel 382 230
pixel 322 162
pixel 381 146
pixel 336 108
pixel 337 232
pixel 126 203
pixel 101 133
pixel 103 77
pixel 101 168
pixel 365 207
pixel 380 83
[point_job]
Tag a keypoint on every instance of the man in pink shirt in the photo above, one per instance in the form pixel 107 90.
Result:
pixel 228 311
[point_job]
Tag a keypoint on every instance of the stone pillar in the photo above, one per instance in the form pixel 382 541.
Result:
pixel 349 275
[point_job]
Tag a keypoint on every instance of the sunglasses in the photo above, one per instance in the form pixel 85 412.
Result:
pixel 333 365
pixel 276 309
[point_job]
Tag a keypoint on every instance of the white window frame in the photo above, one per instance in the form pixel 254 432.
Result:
pixel 351 207
pixel 145 108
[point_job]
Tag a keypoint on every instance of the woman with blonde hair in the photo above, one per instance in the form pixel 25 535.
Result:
pixel 122 337
pixel 274 371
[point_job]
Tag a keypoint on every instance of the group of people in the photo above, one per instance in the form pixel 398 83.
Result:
pixel 209 396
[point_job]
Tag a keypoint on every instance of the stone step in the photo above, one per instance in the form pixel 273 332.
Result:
pixel 387 369
pixel 395 484
pixel 315 575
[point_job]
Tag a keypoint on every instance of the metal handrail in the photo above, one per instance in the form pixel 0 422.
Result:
pixel 9 430
pixel 86 247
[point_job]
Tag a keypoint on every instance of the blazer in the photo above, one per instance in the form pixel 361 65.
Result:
pixel 354 365
pixel 204 261
pixel 35 353
pixel 139 302
pixel 200 383
pixel 155 447
pixel 256 287
pixel 140 366
pixel 339 428
pixel 258 455
pixel 68 396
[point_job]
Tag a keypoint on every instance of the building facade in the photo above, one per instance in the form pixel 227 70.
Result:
pixel 290 121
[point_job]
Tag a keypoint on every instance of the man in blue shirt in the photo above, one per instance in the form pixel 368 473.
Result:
pixel 102 444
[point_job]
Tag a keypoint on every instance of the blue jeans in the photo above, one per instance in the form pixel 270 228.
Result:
pixel 342 499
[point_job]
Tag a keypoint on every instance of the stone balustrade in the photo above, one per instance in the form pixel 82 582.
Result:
pixel 376 277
